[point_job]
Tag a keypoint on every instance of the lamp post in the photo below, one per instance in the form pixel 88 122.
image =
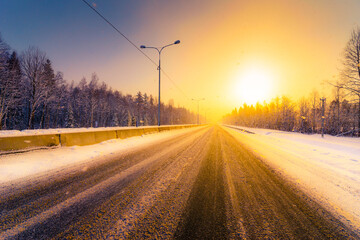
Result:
pixel 159 68
pixel 198 100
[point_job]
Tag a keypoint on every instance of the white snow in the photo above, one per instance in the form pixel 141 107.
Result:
pixel 327 168
pixel 26 132
pixel 15 166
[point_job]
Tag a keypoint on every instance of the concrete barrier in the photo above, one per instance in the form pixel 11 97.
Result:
pixel 86 138
pixel 78 138
pixel 32 141
pixel 132 132
pixel 165 128
pixel 149 130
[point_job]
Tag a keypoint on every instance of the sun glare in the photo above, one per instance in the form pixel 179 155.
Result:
pixel 254 85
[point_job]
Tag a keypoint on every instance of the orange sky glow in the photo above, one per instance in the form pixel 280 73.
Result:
pixel 270 48
pixel 296 45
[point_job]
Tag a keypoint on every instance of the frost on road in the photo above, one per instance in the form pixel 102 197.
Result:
pixel 199 184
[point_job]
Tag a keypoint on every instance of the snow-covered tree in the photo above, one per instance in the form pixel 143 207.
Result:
pixel 49 81
pixel 139 101
pixel 5 82
pixel 69 120
pixel 10 85
pixel 32 63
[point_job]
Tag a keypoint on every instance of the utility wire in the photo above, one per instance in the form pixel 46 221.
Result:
pixel 174 84
pixel 118 31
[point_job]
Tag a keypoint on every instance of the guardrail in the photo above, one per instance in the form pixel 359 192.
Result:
pixel 238 128
pixel 15 143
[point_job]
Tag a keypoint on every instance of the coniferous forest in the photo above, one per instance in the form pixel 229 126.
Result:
pixel 34 96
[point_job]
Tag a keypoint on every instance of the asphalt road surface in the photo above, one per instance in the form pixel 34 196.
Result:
pixel 202 184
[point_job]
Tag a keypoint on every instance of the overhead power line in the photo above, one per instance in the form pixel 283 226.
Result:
pixel 133 44
pixel 117 30
pixel 175 84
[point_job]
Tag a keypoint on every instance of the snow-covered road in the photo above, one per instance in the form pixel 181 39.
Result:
pixel 17 166
pixel 326 168
pixel 196 183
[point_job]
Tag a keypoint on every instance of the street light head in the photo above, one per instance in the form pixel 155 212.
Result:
pixel 142 46
pixel 177 42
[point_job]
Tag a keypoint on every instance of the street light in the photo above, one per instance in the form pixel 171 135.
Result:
pixel 198 100
pixel 159 68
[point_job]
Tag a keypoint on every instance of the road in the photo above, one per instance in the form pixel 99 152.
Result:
pixel 203 184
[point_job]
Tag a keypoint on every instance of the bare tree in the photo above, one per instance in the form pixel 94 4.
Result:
pixel 351 64
pixel 304 114
pixel 32 64
pixel 314 99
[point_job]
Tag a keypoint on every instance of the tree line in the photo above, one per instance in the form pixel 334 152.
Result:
pixel 34 96
pixel 304 115
pixel 341 114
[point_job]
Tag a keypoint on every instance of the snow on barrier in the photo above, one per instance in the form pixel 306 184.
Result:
pixel 15 143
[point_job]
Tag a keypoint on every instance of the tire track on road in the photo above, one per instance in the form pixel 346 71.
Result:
pixel 161 219
pixel 268 206
pixel 205 213
pixel 91 190
pixel 130 203
pixel 201 185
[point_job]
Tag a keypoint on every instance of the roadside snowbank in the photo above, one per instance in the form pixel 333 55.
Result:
pixel 26 132
pixel 15 166
pixel 327 168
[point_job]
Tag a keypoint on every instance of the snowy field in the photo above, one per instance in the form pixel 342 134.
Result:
pixel 15 166
pixel 327 168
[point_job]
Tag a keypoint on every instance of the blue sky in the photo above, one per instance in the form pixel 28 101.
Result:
pixel 79 43
pixel 68 31
pixel 293 44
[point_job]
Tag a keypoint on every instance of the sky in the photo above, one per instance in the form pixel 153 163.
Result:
pixel 231 51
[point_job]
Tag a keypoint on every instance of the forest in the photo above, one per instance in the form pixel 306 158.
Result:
pixel 34 96
pixel 339 115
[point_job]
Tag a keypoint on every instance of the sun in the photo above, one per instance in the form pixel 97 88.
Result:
pixel 254 85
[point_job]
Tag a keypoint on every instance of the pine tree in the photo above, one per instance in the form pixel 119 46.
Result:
pixel 139 101
pixel 115 120
pixel 10 77
pixel 15 98
pixel 129 119
pixel 70 121
pixel 5 85
pixel 48 80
